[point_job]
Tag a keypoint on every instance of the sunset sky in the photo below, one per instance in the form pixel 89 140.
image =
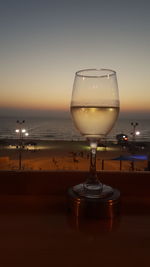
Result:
pixel 44 42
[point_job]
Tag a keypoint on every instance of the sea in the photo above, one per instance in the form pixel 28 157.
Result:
pixel 55 128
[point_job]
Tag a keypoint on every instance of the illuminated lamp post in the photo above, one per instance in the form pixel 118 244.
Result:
pixel 134 133
pixel 137 133
pixel 21 131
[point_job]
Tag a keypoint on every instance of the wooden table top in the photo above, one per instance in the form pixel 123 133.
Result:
pixel 37 230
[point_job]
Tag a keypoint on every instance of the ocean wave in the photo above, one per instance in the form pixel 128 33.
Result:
pixel 51 129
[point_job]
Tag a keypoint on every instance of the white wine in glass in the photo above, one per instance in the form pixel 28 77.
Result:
pixel 94 121
pixel 94 110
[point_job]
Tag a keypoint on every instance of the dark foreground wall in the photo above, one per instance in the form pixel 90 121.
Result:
pixel 37 230
pixel 57 182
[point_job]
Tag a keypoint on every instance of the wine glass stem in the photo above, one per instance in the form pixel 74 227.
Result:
pixel 93 175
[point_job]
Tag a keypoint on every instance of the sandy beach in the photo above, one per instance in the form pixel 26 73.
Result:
pixel 66 155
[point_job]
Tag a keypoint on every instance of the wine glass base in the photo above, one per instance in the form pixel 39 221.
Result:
pixel 107 206
pixel 93 191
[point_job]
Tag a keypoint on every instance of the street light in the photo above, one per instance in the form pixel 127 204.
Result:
pixel 134 133
pixel 21 131
pixel 137 133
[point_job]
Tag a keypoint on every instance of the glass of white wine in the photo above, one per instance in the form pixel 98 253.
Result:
pixel 94 110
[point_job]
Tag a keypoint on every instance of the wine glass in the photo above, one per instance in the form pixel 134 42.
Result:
pixel 94 110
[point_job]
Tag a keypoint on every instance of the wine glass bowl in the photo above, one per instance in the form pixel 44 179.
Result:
pixel 94 109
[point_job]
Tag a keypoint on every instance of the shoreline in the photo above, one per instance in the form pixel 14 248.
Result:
pixel 6 141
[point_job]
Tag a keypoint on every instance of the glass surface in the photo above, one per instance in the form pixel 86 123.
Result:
pixel 94 109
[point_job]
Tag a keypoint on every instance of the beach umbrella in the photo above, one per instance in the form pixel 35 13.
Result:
pixel 131 158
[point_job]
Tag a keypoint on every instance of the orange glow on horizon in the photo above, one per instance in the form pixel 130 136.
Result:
pixel 35 106
pixel 59 108
pixel 134 109
pixel 129 107
pixel 139 105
